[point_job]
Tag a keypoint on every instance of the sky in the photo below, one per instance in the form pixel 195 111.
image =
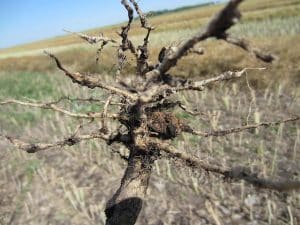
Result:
pixel 24 21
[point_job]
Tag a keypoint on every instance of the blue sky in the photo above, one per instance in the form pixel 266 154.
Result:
pixel 23 21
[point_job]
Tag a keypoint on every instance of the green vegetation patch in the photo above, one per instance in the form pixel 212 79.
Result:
pixel 25 86
pixel 269 27
pixel 22 85
pixel 179 9
pixel 31 167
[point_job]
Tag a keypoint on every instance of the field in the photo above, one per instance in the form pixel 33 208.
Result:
pixel 71 185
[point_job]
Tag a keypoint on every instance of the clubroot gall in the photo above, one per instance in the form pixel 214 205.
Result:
pixel 144 102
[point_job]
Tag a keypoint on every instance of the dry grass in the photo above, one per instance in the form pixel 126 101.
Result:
pixel 216 60
pixel 71 186
pixel 273 25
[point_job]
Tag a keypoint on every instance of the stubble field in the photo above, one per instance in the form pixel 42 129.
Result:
pixel 71 185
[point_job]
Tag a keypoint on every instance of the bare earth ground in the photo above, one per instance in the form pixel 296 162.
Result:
pixel 72 185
